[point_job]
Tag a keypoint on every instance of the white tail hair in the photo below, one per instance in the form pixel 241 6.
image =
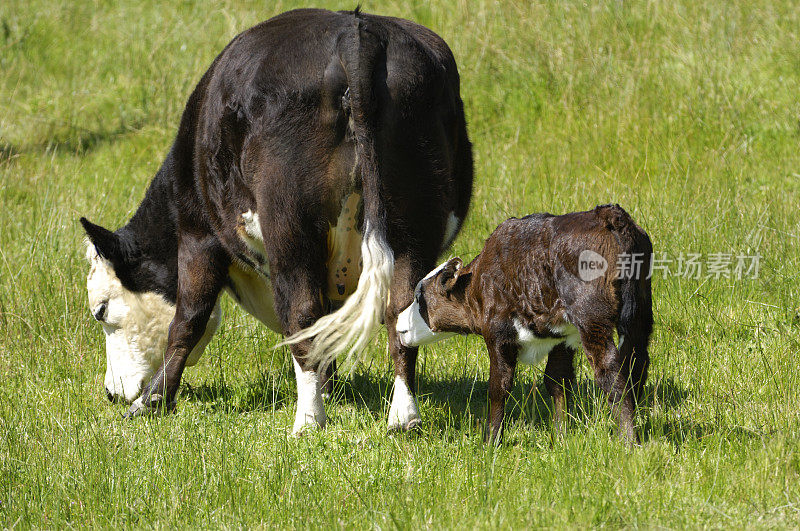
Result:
pixel 353 324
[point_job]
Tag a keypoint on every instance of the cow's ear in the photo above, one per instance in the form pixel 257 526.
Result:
pixel 107 244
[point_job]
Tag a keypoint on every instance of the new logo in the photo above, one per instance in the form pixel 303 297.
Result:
pixel 591 265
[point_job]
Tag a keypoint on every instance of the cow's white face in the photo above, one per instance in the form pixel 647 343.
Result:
pixel 136 326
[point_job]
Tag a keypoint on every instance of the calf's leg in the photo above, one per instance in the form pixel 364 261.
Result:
pixel 559 378
pixel 502 364
pixel 640 363
pixel 610 374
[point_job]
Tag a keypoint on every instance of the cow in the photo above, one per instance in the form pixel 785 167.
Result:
pixel 542 286
pixel 321 166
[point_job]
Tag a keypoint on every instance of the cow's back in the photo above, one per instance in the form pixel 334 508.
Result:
pixel 272 119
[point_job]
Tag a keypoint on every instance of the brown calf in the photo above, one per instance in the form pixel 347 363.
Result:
pixel 542 286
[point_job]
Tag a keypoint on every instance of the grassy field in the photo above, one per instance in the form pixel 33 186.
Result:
pixel 686 113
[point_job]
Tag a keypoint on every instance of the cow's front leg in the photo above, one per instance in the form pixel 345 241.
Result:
pixel 202 268
pixel 404 412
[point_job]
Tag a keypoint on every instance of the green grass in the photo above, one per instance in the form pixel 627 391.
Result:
pixel 686 113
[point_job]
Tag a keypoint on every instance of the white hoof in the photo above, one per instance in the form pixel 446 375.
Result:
pixel 403 414
pixel 304 421
pixel 310 410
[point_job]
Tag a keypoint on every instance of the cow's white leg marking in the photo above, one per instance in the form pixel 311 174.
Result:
pixel 310 410
pixel 404 413
pixel 453 223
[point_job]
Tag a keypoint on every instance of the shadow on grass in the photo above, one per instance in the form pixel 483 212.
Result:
pixel 462 403
pixel 69 138
pixel 465 400
pixel 363 392
pixel 262 394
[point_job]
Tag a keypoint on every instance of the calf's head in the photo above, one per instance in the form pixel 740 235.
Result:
pixel 135 321
pixel 439 309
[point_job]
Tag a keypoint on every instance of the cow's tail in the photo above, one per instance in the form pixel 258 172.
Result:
pixel 350 328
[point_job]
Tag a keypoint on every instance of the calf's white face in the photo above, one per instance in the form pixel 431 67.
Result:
pixel 136 326
pixel 412 330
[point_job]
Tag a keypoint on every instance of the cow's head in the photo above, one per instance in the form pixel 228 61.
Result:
pixel 439 308
pixel 134 317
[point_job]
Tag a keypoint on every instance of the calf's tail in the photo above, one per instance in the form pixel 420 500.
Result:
pixel 635 322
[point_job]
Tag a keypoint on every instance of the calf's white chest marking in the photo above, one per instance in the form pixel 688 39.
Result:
pixel 534 349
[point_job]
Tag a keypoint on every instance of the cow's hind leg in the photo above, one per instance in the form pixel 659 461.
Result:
pixel 298 301
pixel 328 380
pixel 404 412
pixel 331 372
pixel 202 269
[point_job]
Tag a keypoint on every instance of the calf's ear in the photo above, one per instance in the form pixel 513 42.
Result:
pixel 449 270
pixel 107 244
pixel 453 277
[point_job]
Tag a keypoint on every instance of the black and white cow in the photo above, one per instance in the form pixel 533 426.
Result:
pixel 321 166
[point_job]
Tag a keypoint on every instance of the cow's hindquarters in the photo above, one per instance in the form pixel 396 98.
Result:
pixel 349 328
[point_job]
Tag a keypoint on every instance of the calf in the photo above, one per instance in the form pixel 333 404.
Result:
pixel 542 286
